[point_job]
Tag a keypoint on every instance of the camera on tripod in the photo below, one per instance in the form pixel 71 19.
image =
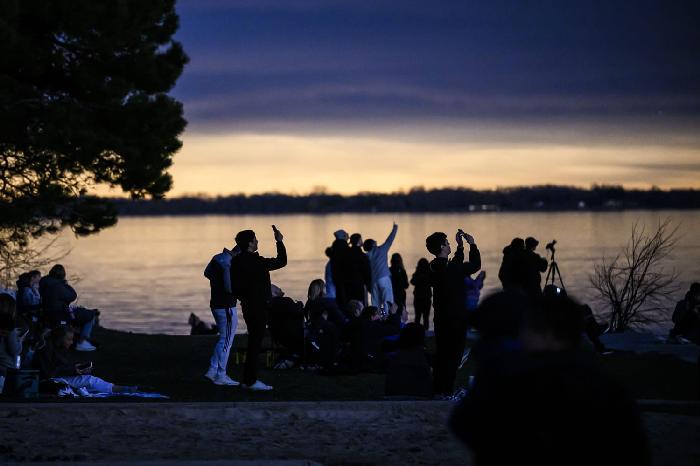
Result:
pixel 550 246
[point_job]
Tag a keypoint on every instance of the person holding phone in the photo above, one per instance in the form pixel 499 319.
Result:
pixel 449 301
pixel 54 365
pixel 250 276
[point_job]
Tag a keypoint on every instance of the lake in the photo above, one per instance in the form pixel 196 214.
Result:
pixel 145 274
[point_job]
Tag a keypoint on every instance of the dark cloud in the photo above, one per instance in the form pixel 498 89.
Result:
pixel 357 61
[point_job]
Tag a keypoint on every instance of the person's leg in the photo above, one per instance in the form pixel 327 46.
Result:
pixel 85 319
pixel 386 292
pixel 226 322
pixel 439 364
pixel 374 294
pixel 89 382
pixel 255 321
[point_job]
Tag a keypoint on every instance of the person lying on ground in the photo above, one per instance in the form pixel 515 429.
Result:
pixel 55 367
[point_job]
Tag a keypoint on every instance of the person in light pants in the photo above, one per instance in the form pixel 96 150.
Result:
pixel 223 308
pixel 381 291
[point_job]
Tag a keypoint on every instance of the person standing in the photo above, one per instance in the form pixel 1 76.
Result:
pixel 382 292
pixel 422 294
pixel 223 308
pixel 449 295
pixel 250 276
pixel 360 273
pixel 534 266
pixel 399 280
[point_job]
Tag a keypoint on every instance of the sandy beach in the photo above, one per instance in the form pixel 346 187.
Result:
pixel 332 433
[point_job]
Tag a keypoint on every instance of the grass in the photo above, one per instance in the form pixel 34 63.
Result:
pixel 174 365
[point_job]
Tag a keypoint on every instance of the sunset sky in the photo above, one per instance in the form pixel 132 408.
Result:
pixel 385 95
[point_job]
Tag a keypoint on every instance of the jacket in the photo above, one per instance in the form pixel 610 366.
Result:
pixel 250 275
pixel 218 271
pixel 56 296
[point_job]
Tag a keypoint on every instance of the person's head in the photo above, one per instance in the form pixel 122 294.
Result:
pixel 341 235
pixel 438 245
pixel 317 289
pixel 412 336
pixel 356 240
pixel 517 244
pixel 58 272
pixel 61 337
pixel 531 243
pixel 247 241
pixel 423 265
pixel 369 244
pixel 694 292
pixel 7 304
pixel 276 291
pixel 554 323
pixel 396 261
pixel 354 307
pixel 34 277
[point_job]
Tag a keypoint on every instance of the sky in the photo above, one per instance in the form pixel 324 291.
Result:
pixel 354 95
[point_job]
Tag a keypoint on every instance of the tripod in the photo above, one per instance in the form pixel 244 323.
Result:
pixel 553 272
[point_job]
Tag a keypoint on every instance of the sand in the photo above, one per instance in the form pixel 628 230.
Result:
pixel 332 433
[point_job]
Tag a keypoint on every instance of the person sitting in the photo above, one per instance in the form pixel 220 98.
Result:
pixel 324 340
pixel 52 361
pixel 10 340
pixel 686 317
pixel 378 325
pixel 408 372
pixel 317 298
pixel 286 324
pixel 199 327
pixel 57 295
pixel 28 296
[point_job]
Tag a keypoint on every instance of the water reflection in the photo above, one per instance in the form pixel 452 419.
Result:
pixel 145 274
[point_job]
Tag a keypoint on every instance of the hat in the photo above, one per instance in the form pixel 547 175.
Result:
pixel 341 234
pixel 531 242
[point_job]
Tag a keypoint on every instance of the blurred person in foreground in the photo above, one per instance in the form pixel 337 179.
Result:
pixel 543 400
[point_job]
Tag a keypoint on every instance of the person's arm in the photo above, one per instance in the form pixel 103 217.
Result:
pixel 68 294
pixel 542 264
pixel 390 239
pixel 274 263
pixel 474 263
pixel 404 280
pixel 209 270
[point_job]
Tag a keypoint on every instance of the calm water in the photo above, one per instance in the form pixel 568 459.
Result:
pixel 145 274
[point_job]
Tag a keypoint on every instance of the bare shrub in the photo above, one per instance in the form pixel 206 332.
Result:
pixel 635 284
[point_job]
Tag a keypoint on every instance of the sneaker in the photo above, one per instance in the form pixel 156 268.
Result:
pixel 85 346
pixel 226 380
pixel 258 386
pixel 211 374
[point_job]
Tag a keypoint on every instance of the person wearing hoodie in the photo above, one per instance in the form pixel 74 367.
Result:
pixel 381 291
pixel 57 295
pixel 250 274
pixel 223 307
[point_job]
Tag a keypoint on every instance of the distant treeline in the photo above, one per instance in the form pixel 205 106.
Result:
pixel 535 198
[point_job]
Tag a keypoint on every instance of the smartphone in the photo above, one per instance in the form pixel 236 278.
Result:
pixel 84 365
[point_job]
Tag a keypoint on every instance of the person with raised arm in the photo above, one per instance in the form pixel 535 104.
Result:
pixel 381 291
pixel 449 301
pixel 250 278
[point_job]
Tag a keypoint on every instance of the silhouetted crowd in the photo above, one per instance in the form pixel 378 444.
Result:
pixel 40 326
